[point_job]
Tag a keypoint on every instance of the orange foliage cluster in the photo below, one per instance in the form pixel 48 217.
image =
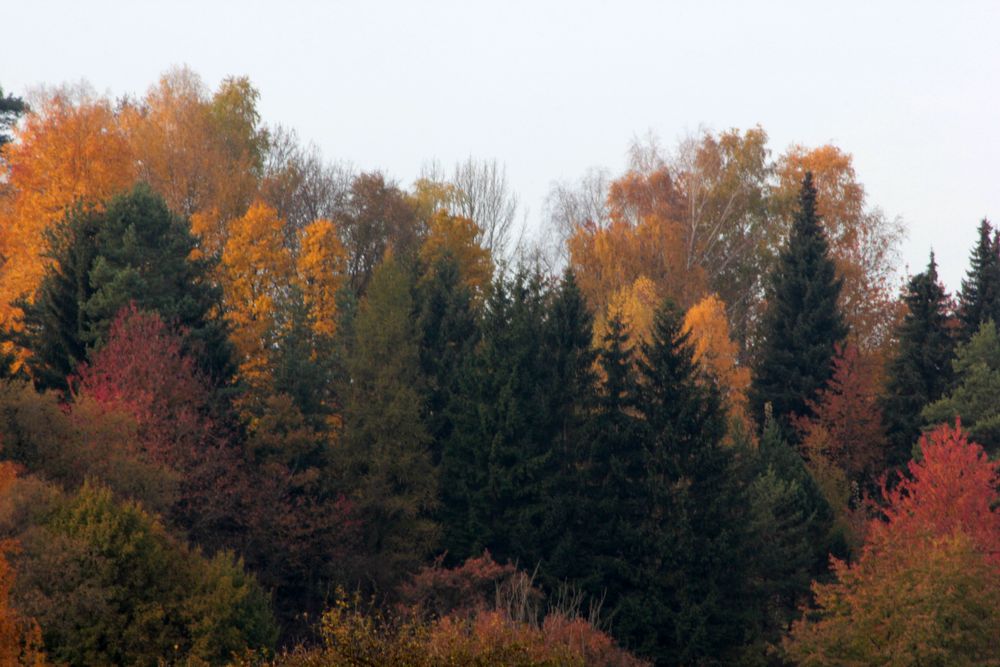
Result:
pixel 718 355
pixel 644 239
pixel 456 236
pixel 846 428
pixel 321 270
pixel 72 147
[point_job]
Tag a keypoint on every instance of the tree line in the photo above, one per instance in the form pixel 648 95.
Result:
pixel 258 407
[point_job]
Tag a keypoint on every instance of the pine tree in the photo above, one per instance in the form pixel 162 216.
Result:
pixel 133 251
pixel 802 324
pixel 691 604
pixel 979 298
pixel 920 372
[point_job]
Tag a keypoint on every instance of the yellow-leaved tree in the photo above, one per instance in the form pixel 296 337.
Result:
pixel 256 270
pixel 708 327
pixel 457 236
pixel 321 270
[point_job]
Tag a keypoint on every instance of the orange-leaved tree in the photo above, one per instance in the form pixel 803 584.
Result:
pixel 70 147
pixel 718 354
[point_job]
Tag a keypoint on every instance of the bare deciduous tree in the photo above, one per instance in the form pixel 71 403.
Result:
pixel 300 185
pixel 483 195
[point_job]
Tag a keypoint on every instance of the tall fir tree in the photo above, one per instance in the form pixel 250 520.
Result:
pixel 498 452
pixel 802 324
pixel 613 508
pixel 979 298
pixel 448 328
pixel 690 607
pixel 920 371
pixel 134 250
pixel 387 448
pixel 568 346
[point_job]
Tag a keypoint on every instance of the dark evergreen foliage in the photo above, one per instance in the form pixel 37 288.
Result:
pixel 979 298
pixel 613 500
pixel 133 251
pixel 11 108
pixel 920 372
pixel 788 532
pixel 385 456
pixel 802 324
pixel 504 467
pixel 690 602
pixel 448 326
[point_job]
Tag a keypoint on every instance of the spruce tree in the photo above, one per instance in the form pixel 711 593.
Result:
pixel 134 250
pixel 614 507
pixel 691 604
pixel 979 298
pixel 567 344
pixel 920 372
pixel 802 324
pixel 504 465
pixel 448 327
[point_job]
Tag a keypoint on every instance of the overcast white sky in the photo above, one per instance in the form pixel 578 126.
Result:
pixel 552 88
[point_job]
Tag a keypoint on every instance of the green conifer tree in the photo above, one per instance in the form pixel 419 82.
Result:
pixel 802 324
pixel 691 606
pixel 789 531
pixel 920 371
pixel 387 447
pixel 448 326
pixel 979 298
pixel 507 464
pixel 613 506
pixel 133 251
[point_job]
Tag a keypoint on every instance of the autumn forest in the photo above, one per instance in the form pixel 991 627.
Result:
pixel 258 407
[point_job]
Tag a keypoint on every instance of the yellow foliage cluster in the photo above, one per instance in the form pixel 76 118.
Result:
pixel 717 353
pixel 321 269
pixel 456 236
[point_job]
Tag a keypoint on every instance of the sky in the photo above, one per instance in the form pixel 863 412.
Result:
pixel 550 89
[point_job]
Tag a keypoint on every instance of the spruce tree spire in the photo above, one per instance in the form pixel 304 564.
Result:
pixel 803 322
pixel 979 299
pixel 921 371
